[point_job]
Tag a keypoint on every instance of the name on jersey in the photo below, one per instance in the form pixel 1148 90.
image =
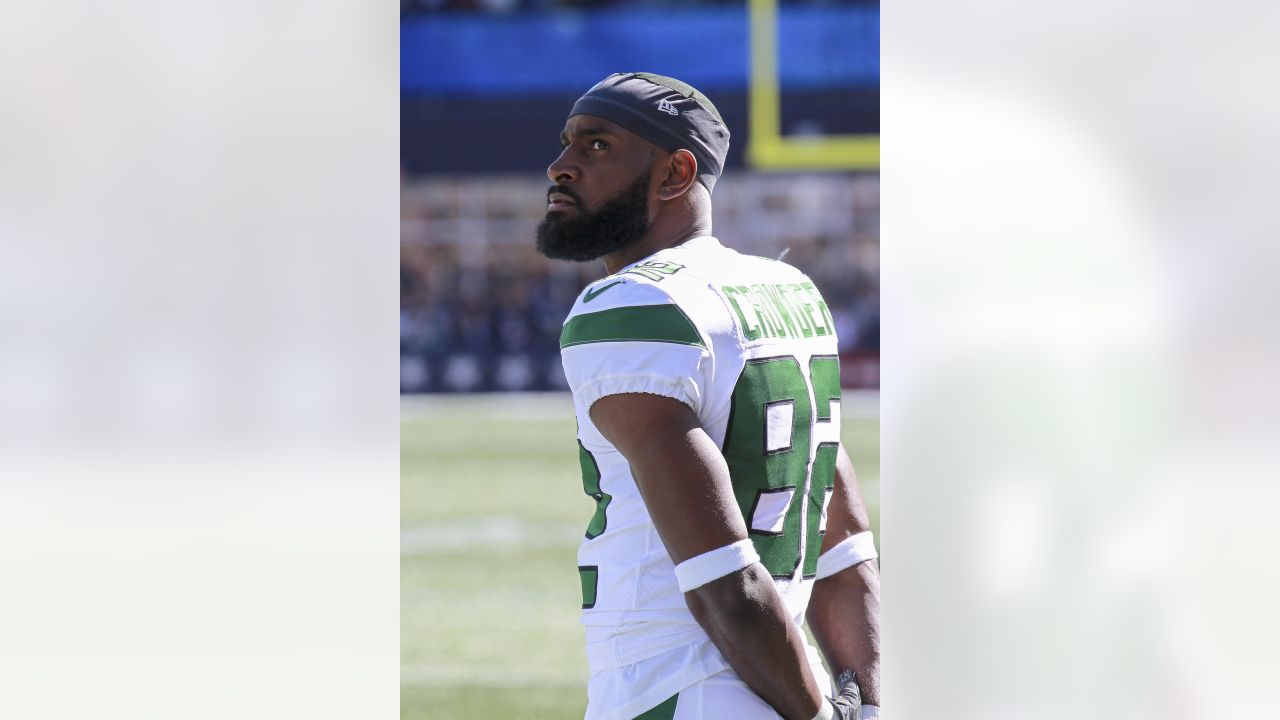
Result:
pixel 794 310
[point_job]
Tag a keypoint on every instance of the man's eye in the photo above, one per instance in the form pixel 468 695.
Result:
pixel 599 145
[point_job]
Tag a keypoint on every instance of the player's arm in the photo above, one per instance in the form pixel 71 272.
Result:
pixel 685 484
pixel 844 609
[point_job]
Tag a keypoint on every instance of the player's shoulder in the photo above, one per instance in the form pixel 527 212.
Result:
pixel 718 266
pixel 669 276
pixel 773 269
pixel 618 291
pixel 703 264
pixel 629 307
pixel 665 297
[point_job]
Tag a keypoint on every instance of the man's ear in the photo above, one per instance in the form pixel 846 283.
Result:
pixel 682 173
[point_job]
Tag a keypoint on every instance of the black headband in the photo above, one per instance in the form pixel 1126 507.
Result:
pixel 664 111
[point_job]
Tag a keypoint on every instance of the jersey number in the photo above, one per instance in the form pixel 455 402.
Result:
pixel 591 486
pixel 767 450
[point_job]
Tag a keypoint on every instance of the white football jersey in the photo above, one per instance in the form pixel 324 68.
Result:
pixel 749 345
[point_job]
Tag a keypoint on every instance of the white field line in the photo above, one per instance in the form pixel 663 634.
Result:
pixel 486 676
pixel 861 404
pixel 488 532
pixel 523 406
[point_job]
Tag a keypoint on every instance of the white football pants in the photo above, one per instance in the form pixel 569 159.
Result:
pixel 724 696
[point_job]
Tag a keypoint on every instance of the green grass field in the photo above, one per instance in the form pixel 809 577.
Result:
pixel 491 514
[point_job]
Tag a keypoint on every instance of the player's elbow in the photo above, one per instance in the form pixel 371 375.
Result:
pixel 854 591
pixel 735 599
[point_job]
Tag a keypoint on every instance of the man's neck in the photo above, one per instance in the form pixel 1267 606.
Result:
pixel 653 241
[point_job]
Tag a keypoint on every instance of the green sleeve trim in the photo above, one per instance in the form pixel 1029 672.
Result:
pixel 645 323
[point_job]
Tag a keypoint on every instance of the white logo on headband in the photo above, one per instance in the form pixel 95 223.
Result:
pixel 667 108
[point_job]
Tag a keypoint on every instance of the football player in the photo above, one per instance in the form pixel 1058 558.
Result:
pixel 706 385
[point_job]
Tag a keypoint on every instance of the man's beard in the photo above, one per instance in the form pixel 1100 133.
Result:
pixel 621 221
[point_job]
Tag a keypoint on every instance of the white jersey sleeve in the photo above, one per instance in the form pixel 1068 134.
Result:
pixel 627 336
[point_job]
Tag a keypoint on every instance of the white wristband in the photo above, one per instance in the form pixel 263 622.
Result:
pixel 849 552
pixel 870 712
pixel 715 564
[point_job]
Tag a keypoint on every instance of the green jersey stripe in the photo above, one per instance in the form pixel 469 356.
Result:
pixel 645 323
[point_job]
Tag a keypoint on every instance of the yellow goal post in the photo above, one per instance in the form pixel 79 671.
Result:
pixel 767 148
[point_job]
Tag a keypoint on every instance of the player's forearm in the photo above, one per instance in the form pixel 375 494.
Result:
pixel 844 616
pixel 747 621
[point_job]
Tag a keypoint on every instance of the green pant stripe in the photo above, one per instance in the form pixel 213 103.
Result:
pixel 590 577
pixel 665 711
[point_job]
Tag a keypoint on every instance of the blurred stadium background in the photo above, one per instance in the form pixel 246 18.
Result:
pixel 492 507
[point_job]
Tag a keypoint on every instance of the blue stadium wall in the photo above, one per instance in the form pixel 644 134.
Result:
pixel 489 93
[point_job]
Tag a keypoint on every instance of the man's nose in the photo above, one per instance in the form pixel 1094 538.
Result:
pixel 563 170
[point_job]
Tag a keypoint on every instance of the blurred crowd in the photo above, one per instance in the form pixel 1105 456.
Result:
pixel 480 309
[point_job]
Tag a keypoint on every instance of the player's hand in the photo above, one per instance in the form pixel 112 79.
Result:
pixel 848 703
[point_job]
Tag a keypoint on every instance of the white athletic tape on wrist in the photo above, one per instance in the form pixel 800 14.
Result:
pixel 870 712
pixel 826 712
pixel 849 552
pixel 715 564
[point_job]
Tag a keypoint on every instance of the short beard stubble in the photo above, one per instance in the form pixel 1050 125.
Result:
pixel 621 221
